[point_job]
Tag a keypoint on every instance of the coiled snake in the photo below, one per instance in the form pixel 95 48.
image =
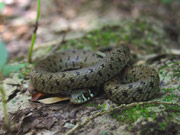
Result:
pixel 77 73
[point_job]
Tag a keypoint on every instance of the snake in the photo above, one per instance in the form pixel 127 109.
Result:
pixel 80 74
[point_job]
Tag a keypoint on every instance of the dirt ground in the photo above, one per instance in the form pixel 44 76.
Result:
pixel 152 30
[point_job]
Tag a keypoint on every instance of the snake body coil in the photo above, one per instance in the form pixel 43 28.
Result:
pixel 65 72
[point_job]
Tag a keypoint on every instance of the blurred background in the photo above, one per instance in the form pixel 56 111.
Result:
pixel 78 16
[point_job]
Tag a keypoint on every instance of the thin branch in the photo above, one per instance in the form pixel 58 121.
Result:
pixel 123 106
pixel 34 32
pixel 58 44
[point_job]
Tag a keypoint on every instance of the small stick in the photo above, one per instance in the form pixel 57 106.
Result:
pixel 58 44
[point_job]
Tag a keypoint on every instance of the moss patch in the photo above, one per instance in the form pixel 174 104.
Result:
pixel 132 114
pixel 144 35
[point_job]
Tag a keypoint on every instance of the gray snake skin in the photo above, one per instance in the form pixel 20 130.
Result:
pixel 75 72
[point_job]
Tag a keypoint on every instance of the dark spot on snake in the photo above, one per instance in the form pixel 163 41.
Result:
pixel 77 73
pixel 86 78
pixel 130 86
pixel 50 77
pixel 84 52
pixel 119 59
pixel 85 59
pixel 102 65
pixel 57 83
pixel 108 75
pixel 73 51
pixel 67 86
pixel 73 63
pixel 119 51
pixel 93 54
pixel 43 82
pixel 140 91
pixel 142 82
pixel 151 84
pixel 117 99
pixel 60 60
pixel 112 58
pixel 54 63
pixel 63 53
pixel 50 65
pixel 77 58
pixel 111 67
pixel 55 70
pixel 48 59
pixel 117 87
pixel 68 58
pixel 63 75
pixel 134 99
pixel 71 80
pixel 80 84
pixel 91 70
pixel 99 73
pixel 125 94
pixel 110 92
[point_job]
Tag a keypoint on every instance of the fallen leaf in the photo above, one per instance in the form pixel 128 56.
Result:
pixel 52 100
pixel 36 96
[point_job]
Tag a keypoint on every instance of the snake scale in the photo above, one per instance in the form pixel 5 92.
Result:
pixel 77 73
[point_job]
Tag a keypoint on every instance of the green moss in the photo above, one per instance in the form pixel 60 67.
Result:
pixel 173 66
pixel 131 115
pixel 169 72
pixel 162 125
pixel 147 112
pixel 144 35
pixel 167 90
pixel 169 98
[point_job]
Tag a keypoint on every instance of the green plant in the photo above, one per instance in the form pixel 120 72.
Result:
pixel 34 33
pixel 3 59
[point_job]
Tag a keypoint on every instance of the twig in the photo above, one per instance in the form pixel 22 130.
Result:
pixel 58 44
pixel 123 106
pixel 34 33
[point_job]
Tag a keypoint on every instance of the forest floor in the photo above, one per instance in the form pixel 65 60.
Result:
pixel 150 28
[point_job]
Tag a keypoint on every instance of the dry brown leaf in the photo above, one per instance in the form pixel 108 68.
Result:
pixel 36 96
